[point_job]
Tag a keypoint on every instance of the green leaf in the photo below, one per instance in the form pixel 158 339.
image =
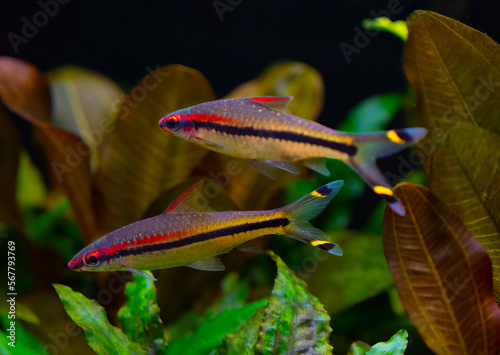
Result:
pixel 140 315
pixel 395 346
pixel 295 321
pixel 31 191
pixel 465 175
pixel 211 333
pixel 454 69
pixel 397 28
pixel 372 114
pixel 91 317
pixel 443 275
pixel 360 273
pixel 243 341
pixel 234 294
pixel 84 103
pixel 359 348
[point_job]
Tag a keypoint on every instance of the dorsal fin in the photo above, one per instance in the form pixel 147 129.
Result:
pixel 190 201
pixel 277 103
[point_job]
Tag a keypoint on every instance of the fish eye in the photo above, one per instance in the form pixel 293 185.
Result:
pixel 92 259
pixel 173 123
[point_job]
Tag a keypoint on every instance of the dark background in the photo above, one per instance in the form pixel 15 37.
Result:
pixel 119 39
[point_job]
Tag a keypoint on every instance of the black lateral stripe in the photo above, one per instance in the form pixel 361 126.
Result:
pixel 284 135
pixel 201 237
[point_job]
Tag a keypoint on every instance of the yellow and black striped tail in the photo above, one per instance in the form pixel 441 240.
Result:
pixel 378 145
pixel 308 207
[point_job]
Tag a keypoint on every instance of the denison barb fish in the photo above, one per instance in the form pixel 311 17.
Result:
pixel 261 130
pixel 187 234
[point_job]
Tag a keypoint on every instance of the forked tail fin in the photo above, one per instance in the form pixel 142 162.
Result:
pixel 305 209
pixel 378 145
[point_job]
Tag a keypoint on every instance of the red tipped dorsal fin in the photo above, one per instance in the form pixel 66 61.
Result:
pixel 189 201
pixel 277 103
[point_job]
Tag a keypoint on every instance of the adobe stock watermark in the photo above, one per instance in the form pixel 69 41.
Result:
pixel 363 37
pixel 223 6
pixel 426 147
pixel 94 137
pixel 30 26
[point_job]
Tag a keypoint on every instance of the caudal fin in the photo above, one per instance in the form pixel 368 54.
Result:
pixel 378 145
pixel 305 209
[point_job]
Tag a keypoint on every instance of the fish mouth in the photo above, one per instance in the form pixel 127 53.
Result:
pixel 76 264
pixel 163 124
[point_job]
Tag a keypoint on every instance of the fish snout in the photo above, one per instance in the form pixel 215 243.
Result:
pixel 76 264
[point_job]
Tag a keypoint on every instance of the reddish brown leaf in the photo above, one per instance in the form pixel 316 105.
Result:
pixel 454 69
pixel 24 89
pixel 139 161
pixel 443 275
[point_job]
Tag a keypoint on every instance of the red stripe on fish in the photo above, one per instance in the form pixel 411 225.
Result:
pixel 144 240
pixel 212 118
pixel 269 98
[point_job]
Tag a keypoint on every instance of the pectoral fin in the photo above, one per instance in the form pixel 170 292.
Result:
pixel 210 264
pixel 212 144
pixel 140 273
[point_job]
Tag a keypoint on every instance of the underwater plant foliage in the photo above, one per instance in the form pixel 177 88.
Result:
pixel 109 164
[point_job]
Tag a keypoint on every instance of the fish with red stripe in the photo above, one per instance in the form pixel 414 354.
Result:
pixel 261 130
pixel 187 234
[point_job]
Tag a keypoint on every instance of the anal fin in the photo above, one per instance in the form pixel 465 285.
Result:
pixel 210 264
pixel 318 165
pixel 270 168
pixel 252 246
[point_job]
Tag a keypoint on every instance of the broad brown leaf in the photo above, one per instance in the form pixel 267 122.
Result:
pixel 465 175
pixel 443 275
pixel 10 147
pixel 455 71
pixel 296 79
pixel 305 84
pixel 84 103
pixel 25 91
pixel 139 161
